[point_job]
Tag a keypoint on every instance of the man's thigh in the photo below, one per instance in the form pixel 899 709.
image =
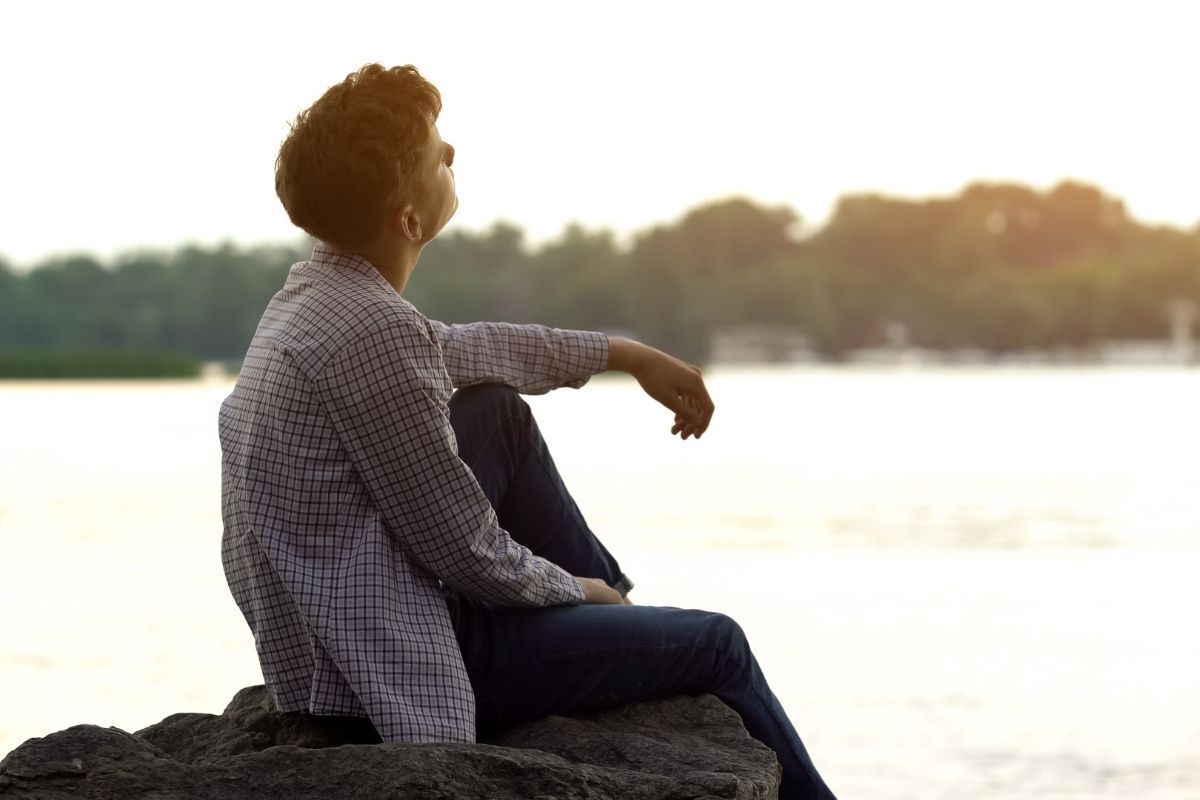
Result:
pixel 527 663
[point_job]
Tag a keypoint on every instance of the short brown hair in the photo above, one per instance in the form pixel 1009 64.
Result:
pixel 354 152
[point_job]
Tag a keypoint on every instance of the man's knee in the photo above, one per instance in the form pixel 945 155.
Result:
pixel 727 635
pixel 709 628
pixel 485 395
pixel 719 647
pixel 728 625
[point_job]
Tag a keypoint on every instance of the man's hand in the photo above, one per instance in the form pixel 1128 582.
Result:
pixel 676 384
pixel 595 590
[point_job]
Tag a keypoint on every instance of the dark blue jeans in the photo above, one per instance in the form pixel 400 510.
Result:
pixel 528 663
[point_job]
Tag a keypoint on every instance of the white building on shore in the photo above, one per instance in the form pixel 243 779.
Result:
pixel 761 343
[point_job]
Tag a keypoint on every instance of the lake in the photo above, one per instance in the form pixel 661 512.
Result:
pixel 961 582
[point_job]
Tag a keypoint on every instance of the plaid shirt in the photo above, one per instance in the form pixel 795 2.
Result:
pixel 346 506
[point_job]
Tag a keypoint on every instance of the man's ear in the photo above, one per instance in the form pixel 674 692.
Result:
pixel 407 223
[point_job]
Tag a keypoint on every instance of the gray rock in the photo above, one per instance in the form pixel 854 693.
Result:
pixel 669 749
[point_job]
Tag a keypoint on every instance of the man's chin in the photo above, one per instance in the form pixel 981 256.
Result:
pixel 446 221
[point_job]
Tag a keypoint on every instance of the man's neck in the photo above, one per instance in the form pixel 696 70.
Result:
pixel 394 260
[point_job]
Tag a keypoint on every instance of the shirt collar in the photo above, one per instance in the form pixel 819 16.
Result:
pixel 325 255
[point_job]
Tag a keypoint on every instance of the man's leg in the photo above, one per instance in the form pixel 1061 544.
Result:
pixel 499 439
pixel 527 663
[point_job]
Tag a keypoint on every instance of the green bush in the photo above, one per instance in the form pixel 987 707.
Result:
pixel 28 363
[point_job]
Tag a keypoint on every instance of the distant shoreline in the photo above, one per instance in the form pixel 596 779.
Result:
pixel 31 364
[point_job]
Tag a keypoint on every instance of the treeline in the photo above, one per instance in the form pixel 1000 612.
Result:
pixel 999 267
pixel 95 362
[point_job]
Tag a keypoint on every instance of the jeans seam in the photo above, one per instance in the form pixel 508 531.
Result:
pixel 483 446
pixel 627 647
pixel 572 506
pixel 508 419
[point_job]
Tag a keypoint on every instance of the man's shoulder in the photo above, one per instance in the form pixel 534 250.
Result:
pixel 319 317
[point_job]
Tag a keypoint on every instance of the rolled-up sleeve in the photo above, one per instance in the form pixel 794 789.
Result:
pixel 384 395
pixel 531 358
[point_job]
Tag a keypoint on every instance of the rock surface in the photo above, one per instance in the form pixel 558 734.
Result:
pixel 677 747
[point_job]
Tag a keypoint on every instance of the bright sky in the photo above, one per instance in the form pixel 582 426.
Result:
pixel 151 124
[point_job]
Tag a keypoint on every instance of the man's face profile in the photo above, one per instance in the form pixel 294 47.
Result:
pixel 436 199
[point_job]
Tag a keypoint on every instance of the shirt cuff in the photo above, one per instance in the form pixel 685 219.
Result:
pixel 589 356
pixel 569 584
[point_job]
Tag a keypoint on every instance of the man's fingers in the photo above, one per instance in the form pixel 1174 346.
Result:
pixel 693 409
pixel 685 429
pixel 690 418
pixel 689 410
pixel 699 418
pixel 704 405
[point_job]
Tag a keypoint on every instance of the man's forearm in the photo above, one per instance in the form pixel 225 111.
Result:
pixel 624 354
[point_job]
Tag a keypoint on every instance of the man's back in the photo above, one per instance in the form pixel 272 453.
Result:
pixel 307 554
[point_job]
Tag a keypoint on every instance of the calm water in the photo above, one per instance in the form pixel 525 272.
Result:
pixel 961 584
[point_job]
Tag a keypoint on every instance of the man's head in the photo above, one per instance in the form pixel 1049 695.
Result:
pixel 366 160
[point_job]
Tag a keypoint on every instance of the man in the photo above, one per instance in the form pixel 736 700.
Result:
pixel 409 556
